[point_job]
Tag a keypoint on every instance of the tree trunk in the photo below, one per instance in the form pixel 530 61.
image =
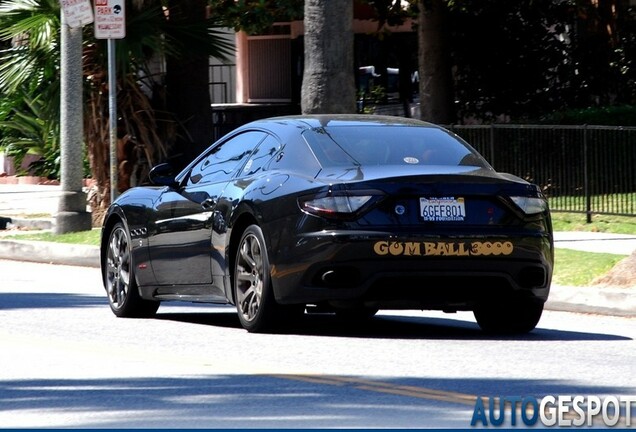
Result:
pixel 328 79
pixel 188 93
pixel 436 85
pixel 72 215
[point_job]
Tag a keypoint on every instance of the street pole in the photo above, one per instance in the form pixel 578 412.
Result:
pixel 112 114
pixel 72 215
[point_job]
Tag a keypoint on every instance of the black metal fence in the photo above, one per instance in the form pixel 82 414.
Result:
pixel 582 169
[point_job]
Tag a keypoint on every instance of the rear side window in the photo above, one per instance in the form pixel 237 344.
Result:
pixel 390 145
pixel 296 156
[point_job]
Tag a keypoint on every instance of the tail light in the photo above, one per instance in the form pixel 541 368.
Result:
pixel 530 205
pixel 338 205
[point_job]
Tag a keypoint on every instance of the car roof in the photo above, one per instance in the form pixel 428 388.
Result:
pixel 311 121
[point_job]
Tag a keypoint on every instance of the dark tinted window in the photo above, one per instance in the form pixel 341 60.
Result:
pixel 223 160
pixel 390 145
pixel 296 156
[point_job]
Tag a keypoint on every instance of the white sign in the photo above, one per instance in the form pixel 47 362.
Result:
pixel 110 19
pixel 77 12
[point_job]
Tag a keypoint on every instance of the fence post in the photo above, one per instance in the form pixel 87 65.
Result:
pixel 586 184
pixel 492 144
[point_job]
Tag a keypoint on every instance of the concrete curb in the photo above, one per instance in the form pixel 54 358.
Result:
pixel 603 300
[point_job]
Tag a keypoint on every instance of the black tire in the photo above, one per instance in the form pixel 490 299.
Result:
pixel 119 278
pixel 509 317
pixel 254 298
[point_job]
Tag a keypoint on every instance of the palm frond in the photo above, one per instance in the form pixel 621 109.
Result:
pixel 28 130
pixel 34 21
pixel 199 38
pixel 22 66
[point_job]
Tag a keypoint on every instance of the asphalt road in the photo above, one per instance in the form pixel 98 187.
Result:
pixel 67 362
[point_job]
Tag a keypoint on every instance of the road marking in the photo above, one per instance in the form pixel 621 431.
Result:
pixel 419 392
pixel 384 387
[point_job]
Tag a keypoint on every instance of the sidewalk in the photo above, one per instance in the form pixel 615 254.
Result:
pixel 22 202
pixel 620 244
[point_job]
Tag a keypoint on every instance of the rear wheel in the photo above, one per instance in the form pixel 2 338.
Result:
pixel 516 316
pixel 253 294
pixel 119 278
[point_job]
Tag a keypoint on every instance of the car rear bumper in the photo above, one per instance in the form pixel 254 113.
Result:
pixel 427 273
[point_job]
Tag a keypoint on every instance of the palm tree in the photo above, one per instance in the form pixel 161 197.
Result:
pixel 146 125
pixel 436 86
pixel 328 81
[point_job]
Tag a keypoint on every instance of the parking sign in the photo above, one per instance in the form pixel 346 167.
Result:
pixel 77 12
pixel 110 19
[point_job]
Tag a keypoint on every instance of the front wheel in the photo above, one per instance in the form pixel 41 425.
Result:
pixel 119 278
pixel 509 317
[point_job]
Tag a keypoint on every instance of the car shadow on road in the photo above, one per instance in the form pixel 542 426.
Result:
pixel 386 326
pixel 40 300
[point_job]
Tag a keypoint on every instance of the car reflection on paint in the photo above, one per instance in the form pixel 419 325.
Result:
pixel 347 214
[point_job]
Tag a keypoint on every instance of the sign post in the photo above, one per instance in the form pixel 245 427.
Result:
pixel 110 23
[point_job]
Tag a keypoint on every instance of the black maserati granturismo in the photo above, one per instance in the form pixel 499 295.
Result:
pixel 347 214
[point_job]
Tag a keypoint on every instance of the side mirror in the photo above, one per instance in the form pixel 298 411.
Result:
pixel 162 175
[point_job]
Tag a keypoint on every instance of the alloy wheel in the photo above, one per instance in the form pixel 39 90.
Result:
pixel 249 277
pixel 118 268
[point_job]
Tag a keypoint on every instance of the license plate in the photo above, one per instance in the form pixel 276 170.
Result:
pixel 447 209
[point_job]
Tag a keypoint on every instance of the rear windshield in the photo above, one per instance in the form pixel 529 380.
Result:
pixel 389 145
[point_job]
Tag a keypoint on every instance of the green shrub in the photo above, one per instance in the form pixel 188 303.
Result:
pixel 27 129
